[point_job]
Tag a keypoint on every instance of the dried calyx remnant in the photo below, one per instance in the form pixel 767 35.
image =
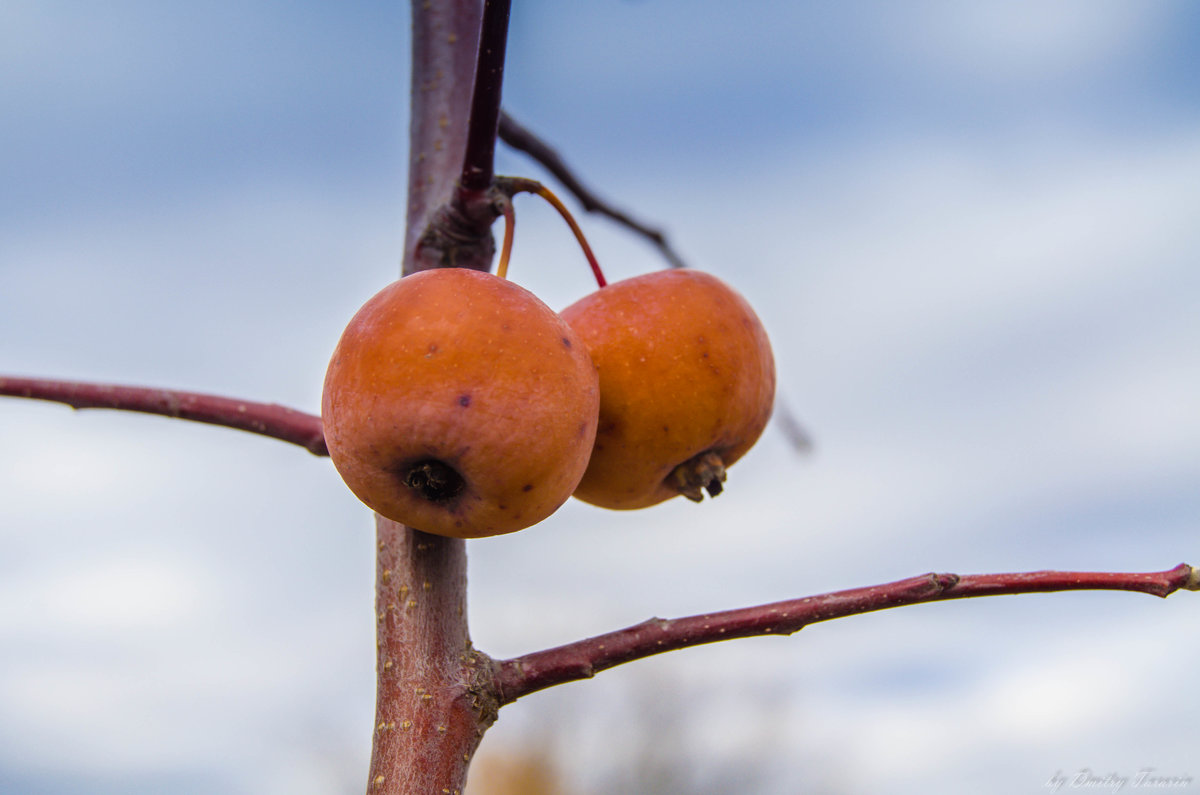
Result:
pixel 706 470
pixel 434 480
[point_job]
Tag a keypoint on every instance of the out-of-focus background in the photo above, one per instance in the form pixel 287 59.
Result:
pixel 972 230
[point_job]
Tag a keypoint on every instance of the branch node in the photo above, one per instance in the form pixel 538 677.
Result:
pixel 459 234
pixel 945 581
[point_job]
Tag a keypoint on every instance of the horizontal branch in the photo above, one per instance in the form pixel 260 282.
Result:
pixel 580 660
pixel 265 419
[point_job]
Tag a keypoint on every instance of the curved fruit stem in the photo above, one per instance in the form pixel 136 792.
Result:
pixel 549 196
pixel 510 186
pixel 510 222
pixel 706 470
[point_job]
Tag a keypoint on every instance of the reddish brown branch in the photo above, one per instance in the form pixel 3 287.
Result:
pixel 478 160
pixel 432 701
pixel 456 232
pixel 523 675
pixel 265 419
pixel 444 55
pixel 433 698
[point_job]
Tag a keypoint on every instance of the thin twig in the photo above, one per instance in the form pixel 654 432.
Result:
pixel 265 419
pixel 580 660
pixel 798 437
pixel 521 139
pixel 478 161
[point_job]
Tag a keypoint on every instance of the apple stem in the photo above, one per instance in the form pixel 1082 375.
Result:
pixel 549 196
pixel 510 186
pixel 510 222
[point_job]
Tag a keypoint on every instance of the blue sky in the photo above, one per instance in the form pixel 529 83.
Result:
pixel 969 228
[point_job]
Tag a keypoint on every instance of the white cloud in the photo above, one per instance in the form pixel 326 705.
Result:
pixel 1027 41
pixel 121 595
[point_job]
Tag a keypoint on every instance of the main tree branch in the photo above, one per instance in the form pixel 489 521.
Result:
pixel 580 660
pixel 450 221
pixel 435 695
pixel 265 419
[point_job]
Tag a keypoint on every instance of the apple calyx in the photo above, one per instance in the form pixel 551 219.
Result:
pixel 436 481
pixel 705 470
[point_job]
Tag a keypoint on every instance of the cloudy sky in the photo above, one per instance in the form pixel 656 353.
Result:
pixel 970 228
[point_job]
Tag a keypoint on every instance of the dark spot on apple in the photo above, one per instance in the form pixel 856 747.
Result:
pixel 464 400
pixel 527 487
pixel 566 341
